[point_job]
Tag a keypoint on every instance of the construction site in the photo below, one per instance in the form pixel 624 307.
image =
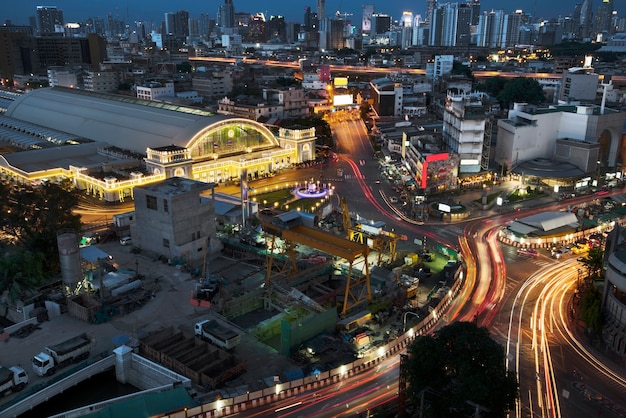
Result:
pixel 319 292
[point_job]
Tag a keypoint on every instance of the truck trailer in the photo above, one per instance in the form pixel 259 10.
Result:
pixel 210 330
pixel 12 379
pixel 59 355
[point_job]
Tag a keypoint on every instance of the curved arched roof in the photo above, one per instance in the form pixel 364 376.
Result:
pixel 127 123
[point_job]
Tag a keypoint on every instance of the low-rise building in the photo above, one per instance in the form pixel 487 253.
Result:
pixel 467 131
pixel 387 96
pixel 154 90
pixel 587 136
pixel 173 220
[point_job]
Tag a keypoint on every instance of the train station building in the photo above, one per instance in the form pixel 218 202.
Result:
pixel 108 144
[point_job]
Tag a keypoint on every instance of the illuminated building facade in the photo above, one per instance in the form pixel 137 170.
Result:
pixel 116 143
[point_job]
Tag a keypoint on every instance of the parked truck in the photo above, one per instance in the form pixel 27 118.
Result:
pixel 210 330
pixel 12 379
pixel 56 356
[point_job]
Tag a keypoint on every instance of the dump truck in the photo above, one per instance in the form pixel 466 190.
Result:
pixel 210 330
pixel 12 379
pixel 59 355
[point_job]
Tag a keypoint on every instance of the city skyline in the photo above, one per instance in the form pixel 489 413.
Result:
pixel 131 10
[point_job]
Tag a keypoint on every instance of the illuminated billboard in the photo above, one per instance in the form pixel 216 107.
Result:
pixel 342 99
pixel 340 82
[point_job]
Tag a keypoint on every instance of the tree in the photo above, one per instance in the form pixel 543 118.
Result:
pixel 459 68
pixel 591 309
pixel 492 85
pixel 20 273
pixel 522 90
pixel 33 216
pixel 460 366
pixel 593 262
pixel 184 67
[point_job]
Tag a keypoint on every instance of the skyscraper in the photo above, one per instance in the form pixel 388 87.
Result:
pixel 310 20
pixel 450 25
pixel 602 19
pixel 431 5
pixel 381 23
pixel 475 6
pixel 276 29
pixel 366 23
pixel 585 18
pixel 321 6
pixel 490 28
pixel 49 19
pixel 181 24
pixel 226 15
pixel 510 30
pixel 204 25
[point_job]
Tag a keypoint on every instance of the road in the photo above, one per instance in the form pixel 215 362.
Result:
pixel 558 375
pixel 348 397
pixel 527 312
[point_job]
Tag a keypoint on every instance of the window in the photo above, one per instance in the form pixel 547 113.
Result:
pixel 166 243
pixel 193 236
pixel 165 206
pixel 151 202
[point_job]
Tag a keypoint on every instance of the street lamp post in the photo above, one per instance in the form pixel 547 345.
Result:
pixel 404 319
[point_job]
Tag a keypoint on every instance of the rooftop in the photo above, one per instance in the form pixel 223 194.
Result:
pixel 175 186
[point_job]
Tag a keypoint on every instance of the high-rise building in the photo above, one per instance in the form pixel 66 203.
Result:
pixel 310 20
pixel 510 30
pixel 181 21
pixel 256 29
pixel 226 15
pixel 336 34
pixel 490 28
pixel 431 6
pixel 321 13
pixel 450 25
pixel 498 30
pixel 585 18
pixel 381 23
pixel 366 23
pixel 419 32
pixel 276 29
pixel 177 24
pixel 475 6
pixel 204 27
pixel 49 19
pixel 406 20
pixel 14 55
pixel 602 18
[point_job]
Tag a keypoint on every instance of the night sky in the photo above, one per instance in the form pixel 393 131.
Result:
pixel 152 10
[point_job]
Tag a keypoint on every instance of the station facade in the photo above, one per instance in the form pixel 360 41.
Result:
pixel 125 142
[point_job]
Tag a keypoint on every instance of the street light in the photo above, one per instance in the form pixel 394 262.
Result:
pixel 404 319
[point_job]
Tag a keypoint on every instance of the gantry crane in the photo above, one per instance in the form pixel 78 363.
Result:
pixel 382 243
pixel 291 232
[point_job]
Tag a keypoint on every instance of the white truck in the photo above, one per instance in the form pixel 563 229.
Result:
pixel 12 379
pixel 59 355
pixel 210 330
